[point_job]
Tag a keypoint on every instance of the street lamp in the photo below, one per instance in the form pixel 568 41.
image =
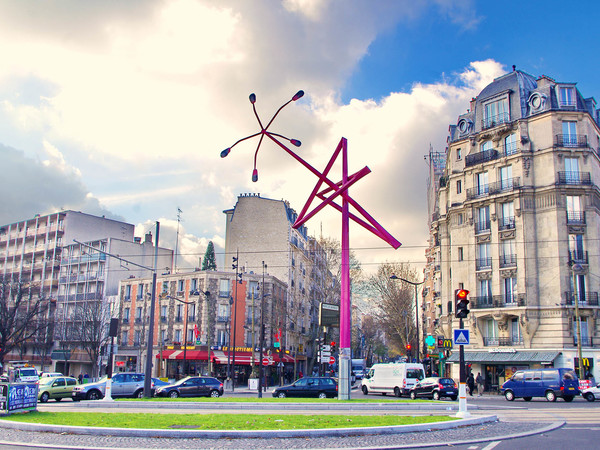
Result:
pixel 415 284
pixel 209 330
pixel 185 332
pixel 262 334
pixel 578 270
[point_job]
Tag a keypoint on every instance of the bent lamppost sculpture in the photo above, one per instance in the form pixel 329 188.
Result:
pixel 331 191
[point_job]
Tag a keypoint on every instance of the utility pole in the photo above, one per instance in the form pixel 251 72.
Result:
pixel 262 334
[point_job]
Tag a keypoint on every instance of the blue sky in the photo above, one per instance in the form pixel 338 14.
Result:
pixel 122 108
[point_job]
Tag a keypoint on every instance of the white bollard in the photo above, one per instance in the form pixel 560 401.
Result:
pixel 462 402
pixel 107 391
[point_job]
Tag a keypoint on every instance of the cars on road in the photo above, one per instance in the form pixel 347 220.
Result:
pixel 392 378
pixel 434 388
pixel 592 393
pixel 319 387
pixel 192 387
pixel 55 388
pixel 549 383
pixel 126 384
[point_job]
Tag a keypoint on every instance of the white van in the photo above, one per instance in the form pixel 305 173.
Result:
pixel 392 378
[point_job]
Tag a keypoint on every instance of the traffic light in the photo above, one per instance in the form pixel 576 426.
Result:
pixel 332 346
pixel 277 343
pixel 408 350
pixel 461 303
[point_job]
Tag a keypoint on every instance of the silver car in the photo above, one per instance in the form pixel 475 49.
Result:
pixel 122 385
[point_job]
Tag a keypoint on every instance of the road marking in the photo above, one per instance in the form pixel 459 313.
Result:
pixel 491 445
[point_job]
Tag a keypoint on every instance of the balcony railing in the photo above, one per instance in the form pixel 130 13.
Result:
pixel 571 140
pixel 508 261
pixel 576 217
pixel 482 226
pixel 498 301
pixel 585 341
pixel 179 319
pixel 507 185
pixel 506 223
pixel 483 263
pixel 587 298
pixel 502 341
pixel 163 319
pixel 574 178
pixel 578 256
pixel 223 293
pixel 481 157
pixel 222 319
pixel 494 121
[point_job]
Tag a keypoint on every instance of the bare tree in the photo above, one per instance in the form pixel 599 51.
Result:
pixel 395 312
pixel 22 316
pixel 90 329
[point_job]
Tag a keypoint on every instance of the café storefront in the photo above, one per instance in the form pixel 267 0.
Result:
pixel 497 365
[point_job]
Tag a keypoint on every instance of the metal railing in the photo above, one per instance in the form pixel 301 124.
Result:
pixel 507 185
pixel 578 256
pixel 576 217
pixel 482 226
pixel 498 301
pixel 571 140
pixel 483 263
pixel 585 341
pixel 502 341
pixel 508 261
pixel 481 157
pixel 587 298
pixel 506 223
pixel 574 178
pixel 493 121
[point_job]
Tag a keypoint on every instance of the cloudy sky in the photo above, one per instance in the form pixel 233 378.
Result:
pixel 122 108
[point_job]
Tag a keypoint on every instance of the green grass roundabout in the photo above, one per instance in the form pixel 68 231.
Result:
pixel 210 421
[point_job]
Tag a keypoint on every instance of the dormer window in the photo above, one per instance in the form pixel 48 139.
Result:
pixel 566 96
pixel 464 126
pixel 495 113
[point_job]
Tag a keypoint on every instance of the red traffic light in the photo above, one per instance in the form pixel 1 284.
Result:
pixel 461 294
pixel 408 346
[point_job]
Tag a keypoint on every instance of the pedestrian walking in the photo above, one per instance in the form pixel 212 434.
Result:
pixel 471 384
pixel 479 380
pixel 80 378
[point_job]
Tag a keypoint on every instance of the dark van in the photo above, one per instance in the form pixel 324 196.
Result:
pixel 549 383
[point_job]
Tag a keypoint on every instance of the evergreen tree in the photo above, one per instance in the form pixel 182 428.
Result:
pixel 209 262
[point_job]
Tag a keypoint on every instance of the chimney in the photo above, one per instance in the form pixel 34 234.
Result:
pixel 148 238
pixel 137 240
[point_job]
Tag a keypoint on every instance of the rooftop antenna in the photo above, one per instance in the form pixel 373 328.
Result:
pixel 179 211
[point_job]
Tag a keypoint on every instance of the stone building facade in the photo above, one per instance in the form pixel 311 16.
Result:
pixel 515 221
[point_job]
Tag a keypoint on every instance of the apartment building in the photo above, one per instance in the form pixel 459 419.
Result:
pixel 260 229
pixel 515 221
pixel 198 311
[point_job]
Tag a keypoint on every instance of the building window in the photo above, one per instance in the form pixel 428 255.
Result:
pixel 510 287
pixel 490 330
pixel 179 313
pixel 138 314
pixel 576 250
pixel 180 285
pixel 140 292
pixel 507 221
pixel 177 336
pixel 458 186
pixel 127 292
pixel 165 287
pixel 506 180
pixel 124 338
pixel 483 219
pixel 567 96
pixel 223 288
pixel 510 144
pixel 458 154
pixel 137 337
pixel 572 171
pixel 126 314
pixel 569 133
pixel 460 254
pixel 194 284
pixel 485 146
pixel 495 113
pixel 481 182
pixel 163 313
pixel 574 210
pixel 583 325
pixel 515 332
pixel 484 294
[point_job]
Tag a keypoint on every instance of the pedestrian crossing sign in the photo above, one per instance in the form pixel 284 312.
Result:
pixel 461 337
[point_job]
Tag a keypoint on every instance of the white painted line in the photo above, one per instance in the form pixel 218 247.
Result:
pixel 491 445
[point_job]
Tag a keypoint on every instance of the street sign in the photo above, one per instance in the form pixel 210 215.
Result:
pixel 326 348
pixel 324 360
pixel 331 360
pixel 430 341
pixel 266 361
pixel 325 354
pixel 461 337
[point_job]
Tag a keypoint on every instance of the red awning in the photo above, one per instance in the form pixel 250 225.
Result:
pixel 190 355
pixel 244 358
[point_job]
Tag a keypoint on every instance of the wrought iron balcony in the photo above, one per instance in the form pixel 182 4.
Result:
pixel 498 301
pixel 163 319
pixel 178 319
pixel 506 223
pixel 482 302
pixel 502 341
pixel 494 121
pixel 587 298
pixel 585 341
pixel 222 319
pixel 576 217
pixel 483 263
pixel 578 256
pixel 507 185
pixel 482 226
pixel 571 140
pixel 574 178
pixel 481 157
pixel 508 261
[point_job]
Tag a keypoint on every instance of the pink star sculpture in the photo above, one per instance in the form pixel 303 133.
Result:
pixel 328 196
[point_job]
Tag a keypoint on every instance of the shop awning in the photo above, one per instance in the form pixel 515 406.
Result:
pixel 518 356
pixel 243 358
pixel 190 355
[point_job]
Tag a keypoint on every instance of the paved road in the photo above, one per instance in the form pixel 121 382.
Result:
pixel 582 427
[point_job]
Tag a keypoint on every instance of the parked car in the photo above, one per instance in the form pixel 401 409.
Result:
pixel 56 388
pixel 51 374
pixel 122 385
pixel 321 387
pixel 435 388
pixel 192 387
pixel 158 382
pixel 549 383
pixel 592 393
pixel 392 378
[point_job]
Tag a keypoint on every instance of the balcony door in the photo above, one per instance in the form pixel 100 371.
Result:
pixel 482 183
pixel 491 332
pixel 508 215
pixel 569 130
pixel 510 290
pixel 578 287
pixel 506 180
pixel 572 170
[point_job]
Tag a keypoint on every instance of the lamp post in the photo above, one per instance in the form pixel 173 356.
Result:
pixel 415 284
pixel 578 270
pixel 184 333
pixel 235 265
pixel 209 330
pixel 262 333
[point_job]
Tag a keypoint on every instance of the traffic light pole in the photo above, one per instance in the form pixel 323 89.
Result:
pixel 462 387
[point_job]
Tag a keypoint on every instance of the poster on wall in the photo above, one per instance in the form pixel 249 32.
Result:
pixel 3 396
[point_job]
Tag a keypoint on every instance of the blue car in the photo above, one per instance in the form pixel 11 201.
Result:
pixel 549 383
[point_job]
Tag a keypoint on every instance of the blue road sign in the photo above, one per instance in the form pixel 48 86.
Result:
pixel 461 337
